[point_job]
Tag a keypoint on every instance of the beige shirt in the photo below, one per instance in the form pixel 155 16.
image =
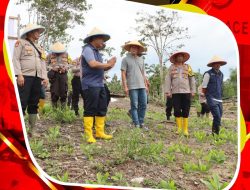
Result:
pixel 180 80
pixel 76 68
pixel 202 97
pixel 26 60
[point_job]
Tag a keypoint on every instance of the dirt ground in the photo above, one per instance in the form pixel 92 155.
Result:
pixel 69 158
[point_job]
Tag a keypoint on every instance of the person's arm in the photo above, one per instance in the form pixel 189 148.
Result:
pixel 88 54
pixel 16 58
pixel 75 69
pixel 205 82
pixel 16 63
pixel 168 83
pixel 146 81
pixel 124 76
pixel 192 85
pixel 106 66
pixel 124 82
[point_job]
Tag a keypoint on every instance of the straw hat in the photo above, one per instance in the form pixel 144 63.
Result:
pixel 31 27
pixel 96 32
pixel 216 59
pixel 185 55
pixel 58 47
pixel 134 43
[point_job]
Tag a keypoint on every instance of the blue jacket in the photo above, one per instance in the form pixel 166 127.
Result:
pixel 92 77
pixel 214 87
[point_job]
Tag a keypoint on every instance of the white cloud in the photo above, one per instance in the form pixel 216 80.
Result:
pixel 116 17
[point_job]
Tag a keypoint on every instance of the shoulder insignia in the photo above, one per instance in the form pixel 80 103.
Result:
pixel 190 71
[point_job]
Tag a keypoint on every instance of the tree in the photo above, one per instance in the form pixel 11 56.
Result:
pixel 57 16
pixel 230 85
pixel 115 86
pixel 155 80
pixel 161 32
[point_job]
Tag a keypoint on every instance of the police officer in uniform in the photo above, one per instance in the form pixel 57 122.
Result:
pixel 30 70
pixel 58 61
pixel 180 85
pixel 94 94
pixel 76 85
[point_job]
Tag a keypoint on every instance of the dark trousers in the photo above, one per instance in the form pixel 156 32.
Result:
pixel 216 110
pixel 204 108
pixel 107 94
pixel 29 94
pixel 77 90
pixel 169 106
pixel 42 92
pixel 95 101
pixel 181 103
pixel 58 86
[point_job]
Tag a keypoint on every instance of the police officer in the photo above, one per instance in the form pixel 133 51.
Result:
pixel 30 70
pixel 180 84
pixel 94 94
pixel 58 61
pixel 212 88
pixel 203 102
pixel 76 85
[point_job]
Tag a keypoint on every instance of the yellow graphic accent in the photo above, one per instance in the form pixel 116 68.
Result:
pixel 244 137
pixel 6 60
pixel 41 176
pixel 185 7
pixel 12 147
pixel 30 164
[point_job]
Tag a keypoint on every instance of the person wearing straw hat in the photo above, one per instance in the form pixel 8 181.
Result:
pixel 58 60
pixel 94 94
pixel 212 87
pixel 30 70
pixel 180 85
pixel 135 82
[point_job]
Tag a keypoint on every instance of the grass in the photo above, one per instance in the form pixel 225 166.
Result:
pixel 54 133
pixel 190 167
pixel 216 156
pixel 38 149
pixel 200 136
pixel 59 115
pixel 64 177
pixel 90 150
pixel 170 184
pixel 136 153
pixel 214 183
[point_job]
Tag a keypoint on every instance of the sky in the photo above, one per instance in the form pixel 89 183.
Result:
pixel 209 36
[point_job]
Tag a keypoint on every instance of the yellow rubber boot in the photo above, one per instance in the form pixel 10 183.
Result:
pixel 179 124
pixel 41 104
pixel 88 125
pixel 99 124
pixel 185 126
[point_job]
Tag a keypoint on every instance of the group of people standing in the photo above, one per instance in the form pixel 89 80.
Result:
pixel 31 66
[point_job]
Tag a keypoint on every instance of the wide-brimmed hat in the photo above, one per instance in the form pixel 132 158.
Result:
pixel 57 47
pixel 134 43
pixel 31 27
pixel 216 59
pixel 96 32
pixel 185 55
